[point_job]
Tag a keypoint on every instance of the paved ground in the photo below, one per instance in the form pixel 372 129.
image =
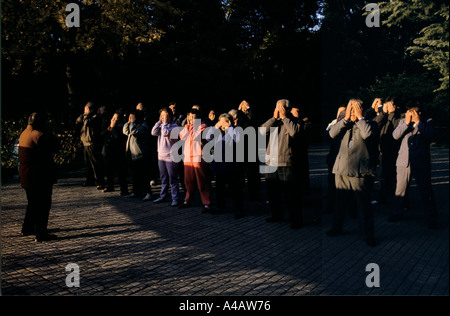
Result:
pixel 127 247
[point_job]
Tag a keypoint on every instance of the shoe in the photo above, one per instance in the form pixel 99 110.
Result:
pixel 159 200
pixel 334 232
pixel 148 197
pixel 132 195
pixel 206 209
pixel 46 237
pixel 395 218
pixel 273 219
pixel 108 190
pixel 374 202
pixel 100 187
pixel 370 241
pixel 27 232
pixel 185 205
pixel 174 203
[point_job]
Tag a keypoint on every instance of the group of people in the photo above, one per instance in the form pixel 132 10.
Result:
pixel 135 143
pixel 130 140
pixel 399 143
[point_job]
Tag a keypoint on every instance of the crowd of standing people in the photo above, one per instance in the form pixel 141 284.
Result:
pixel 117 145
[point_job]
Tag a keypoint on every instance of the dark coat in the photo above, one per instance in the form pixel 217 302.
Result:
pixel 36 166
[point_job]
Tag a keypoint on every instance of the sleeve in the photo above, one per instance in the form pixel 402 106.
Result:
pixel 292 127
pixel 156 130
pixel 336 129
pixel 268 124
pixel 365 128
pixel 401 129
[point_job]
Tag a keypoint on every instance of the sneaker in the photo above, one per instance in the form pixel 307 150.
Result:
pixel 174 203
pixel 185 205
pixel 206 209
pixel 159 200
pixel 148 197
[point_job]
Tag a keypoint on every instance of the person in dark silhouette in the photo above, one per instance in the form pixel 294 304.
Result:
pixel 37 175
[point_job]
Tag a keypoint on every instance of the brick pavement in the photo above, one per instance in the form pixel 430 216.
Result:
pixel 127 247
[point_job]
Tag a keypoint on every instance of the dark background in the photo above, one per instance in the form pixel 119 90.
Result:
pixel 317 54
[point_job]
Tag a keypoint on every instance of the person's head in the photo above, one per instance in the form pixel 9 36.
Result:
pixel 192 115
pixel 115 119
pixel 234 115
pixel 295 111
pixel 89 107
pixel 284 103
pixel 140 106
pixel 167 112
pixel 173 107
pixel 37 120
pixel 353 103
pixel 212 115
pixel 196 107
pixel 390 104
pixel 139 114
pixel 101 110
pixel 244 106
pixel 226 120
pixel 340 113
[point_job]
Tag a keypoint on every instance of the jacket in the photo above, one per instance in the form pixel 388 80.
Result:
pixel 137 145
pixel 287 131
pixel 165 143
pixel 90 129
pixel 357 156
pixel 36 166
pixel 415 143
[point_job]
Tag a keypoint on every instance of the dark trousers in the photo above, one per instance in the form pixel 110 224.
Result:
pixel 282 185
pixel 140 174
pixel 94 165
pixel 423 180
pixel 388 177
pixel 234 182
pixel 251 170
pixel 38 209
pixel 357 191
pixel 115 165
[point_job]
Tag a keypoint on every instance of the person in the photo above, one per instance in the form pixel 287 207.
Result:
pixel 375 110
pixel 301 147
pixel 195 168
pixel 152 159
pixel 354 169
pixel 168 169
pixel 37 175
pixel 114 155
pixel 229 172
pixel 282 179
pixel 415 133
pixel 212 120
pixel 177 117
pixel 334 145
pixel 90 137
pixel 138 151
pixel 387 120
pixel 251 167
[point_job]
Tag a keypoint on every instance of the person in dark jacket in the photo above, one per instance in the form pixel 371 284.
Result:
pixel 229 172
pixel 282 179
pixel 138 152
pixel 90 137
pixel 415 133
pixel 354 168
pixel 114 155
pixel 37 175
pixel 387 121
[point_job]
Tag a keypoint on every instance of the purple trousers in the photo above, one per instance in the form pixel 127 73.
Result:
pixel 168 173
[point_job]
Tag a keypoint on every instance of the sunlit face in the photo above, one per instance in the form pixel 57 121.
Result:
pixel 140 107
pixel 173 107
pixel 295 112
pixel 115 119
pixel 390 107
pixel 225 123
